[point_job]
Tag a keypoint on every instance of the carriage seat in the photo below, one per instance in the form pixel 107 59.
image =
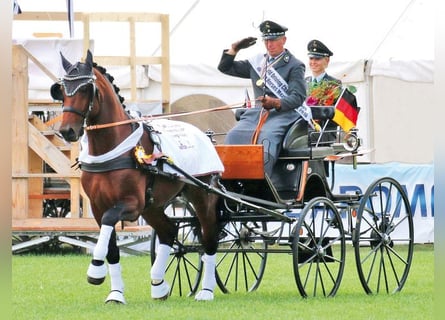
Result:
pixel 296 141
pixel 299 140
pixel 318 112
pixel 322 112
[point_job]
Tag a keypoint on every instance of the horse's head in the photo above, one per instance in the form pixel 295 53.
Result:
pixel 76 90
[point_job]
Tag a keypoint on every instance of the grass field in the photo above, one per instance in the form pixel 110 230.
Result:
pixel 55 287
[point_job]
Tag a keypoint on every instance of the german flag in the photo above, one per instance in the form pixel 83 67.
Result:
pixel 346 111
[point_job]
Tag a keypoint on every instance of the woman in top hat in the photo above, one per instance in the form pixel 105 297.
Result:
pixel 279 88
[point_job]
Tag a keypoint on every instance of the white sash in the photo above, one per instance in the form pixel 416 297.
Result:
pixel 276 83
pixel 267 73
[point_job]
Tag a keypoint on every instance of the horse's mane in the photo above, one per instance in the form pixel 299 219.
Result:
pixel 110 78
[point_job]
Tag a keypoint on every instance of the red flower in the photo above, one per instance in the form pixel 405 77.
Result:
pixel 324 93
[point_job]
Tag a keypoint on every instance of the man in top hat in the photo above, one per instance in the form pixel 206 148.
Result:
pixel 279 87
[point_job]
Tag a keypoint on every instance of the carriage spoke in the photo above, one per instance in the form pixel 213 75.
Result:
pixel 242 257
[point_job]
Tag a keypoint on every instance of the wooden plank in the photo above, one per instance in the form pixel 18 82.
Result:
pixel 68 225
pixel 42 196
pixel 47 34
pixel 20 81
pixel 55 224
pixel 242 161
pixel 46 175
pixel 46 103
pixel 48 152
pixel 165 65
pixel 126 61
pixel 124 16
pixel 93 16
pixel 45 16
pixel 35 186
pixel 132 39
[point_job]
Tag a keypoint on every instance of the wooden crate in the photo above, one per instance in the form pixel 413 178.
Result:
pixel 242 161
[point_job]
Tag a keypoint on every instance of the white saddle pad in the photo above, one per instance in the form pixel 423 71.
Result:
pixel 190 149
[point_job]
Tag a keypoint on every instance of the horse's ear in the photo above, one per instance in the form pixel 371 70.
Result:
pixel 56 92
pixel 89 58
pixel 65 63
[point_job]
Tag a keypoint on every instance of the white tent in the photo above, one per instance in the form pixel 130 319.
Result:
pixel 384 48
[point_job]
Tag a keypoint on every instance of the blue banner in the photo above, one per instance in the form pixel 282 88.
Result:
pixel 416 179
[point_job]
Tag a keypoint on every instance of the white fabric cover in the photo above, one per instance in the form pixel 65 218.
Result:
pixel 190 149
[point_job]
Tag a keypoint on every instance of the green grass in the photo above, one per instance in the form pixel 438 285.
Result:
pixel 55 287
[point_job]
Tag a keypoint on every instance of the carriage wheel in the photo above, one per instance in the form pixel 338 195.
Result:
pixel 319 249
pixel 242 255
pixel 56 208
pixel 184 268
pixel 384 237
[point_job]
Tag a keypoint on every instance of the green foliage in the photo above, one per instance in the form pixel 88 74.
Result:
pixel 352 88
pixel 55 287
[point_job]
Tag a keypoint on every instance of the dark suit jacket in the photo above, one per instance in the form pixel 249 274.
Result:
pixel 290 69
pixel 326 77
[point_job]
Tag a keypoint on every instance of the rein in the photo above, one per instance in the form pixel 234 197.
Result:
pixel 164 116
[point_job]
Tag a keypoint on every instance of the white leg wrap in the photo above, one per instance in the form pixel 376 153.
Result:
pixel 117 284
pixel 116 296
pixel 157 271
pixel 96 274
pixel 209 280
pixel 101 248
pixel 160 291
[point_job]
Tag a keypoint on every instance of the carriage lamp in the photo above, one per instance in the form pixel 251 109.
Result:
pixel 351 141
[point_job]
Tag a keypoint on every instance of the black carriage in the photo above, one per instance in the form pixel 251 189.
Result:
pixel 295 212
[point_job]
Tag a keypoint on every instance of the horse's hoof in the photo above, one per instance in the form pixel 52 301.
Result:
pixel 160 291
pixel 116 296
pixel 204 295
pixel 96 274
pixel 95 281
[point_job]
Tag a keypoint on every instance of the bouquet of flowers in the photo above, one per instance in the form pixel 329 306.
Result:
pixel 324 93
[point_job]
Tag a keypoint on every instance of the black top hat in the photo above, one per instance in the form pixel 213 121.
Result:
pixel 316 49
pixel 272 30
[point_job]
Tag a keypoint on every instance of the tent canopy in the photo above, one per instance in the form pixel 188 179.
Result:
pixel 200 29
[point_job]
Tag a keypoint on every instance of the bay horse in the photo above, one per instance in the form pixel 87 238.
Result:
pixel 118 188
